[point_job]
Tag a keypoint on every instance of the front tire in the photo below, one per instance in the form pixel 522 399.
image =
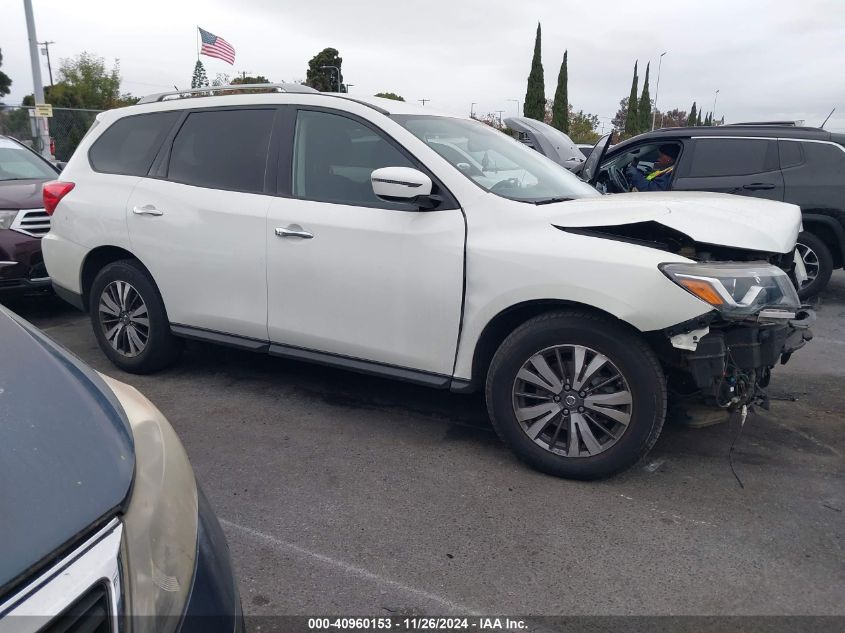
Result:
pixel 129 319
pixel 576 395
pixel 818 262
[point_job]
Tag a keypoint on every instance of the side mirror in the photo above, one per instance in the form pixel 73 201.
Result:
pixel 402 184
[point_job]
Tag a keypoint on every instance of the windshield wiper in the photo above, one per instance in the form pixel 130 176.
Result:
pixel 551 200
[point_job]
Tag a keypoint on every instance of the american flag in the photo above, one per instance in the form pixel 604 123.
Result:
pixel 215 46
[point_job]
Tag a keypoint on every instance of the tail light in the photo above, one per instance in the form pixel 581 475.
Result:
pixel 53 192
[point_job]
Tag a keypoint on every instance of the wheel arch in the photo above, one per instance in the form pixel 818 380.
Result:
pixel 95 261
pixel 510 318
pixel 829 230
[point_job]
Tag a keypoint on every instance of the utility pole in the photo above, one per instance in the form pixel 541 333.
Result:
pixel 657 91
pixel 500 117
pixel 715 96
pixel 424 101
pixel 472 110
pixel 41 128
pixel 46 51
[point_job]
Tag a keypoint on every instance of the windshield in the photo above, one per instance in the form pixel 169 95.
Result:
pixel 18 163
pixel 496 162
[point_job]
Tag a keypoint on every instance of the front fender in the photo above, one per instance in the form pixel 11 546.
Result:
pixel 617 278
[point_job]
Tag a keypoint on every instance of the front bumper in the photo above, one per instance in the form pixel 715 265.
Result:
pixel 22 267
pixel 214 603
pixel 731 364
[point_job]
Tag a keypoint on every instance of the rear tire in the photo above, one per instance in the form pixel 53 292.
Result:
pixel 129 319
pixel 614 424
pixel 816 255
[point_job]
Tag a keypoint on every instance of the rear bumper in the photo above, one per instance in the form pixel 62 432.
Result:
pixel 22 267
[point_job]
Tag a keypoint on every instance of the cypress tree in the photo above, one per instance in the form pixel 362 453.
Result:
pixel 560 106
pixel 535 95
pixel 644 108
pixel 199 79
pixel 692 115
pixel 632 121
pixel 698 120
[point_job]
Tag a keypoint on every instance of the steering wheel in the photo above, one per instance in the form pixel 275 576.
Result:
pixel 504 185
pixel 619 179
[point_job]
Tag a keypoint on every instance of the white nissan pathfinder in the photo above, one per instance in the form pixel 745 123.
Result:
pixel 385 238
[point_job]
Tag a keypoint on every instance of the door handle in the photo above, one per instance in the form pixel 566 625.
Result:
pixel 294 230
pixel 147 209
pixel 758 186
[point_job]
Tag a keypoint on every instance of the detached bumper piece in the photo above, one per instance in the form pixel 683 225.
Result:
pixel 732 364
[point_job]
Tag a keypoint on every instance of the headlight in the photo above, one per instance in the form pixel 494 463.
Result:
pixel 160 524
pixel 6 218
pixel 736 290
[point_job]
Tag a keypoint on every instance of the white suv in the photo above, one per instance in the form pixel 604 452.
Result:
pixel 386 238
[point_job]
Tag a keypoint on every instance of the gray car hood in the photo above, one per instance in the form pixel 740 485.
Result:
pixel 549 141
pixel 710 218
pixel 66 451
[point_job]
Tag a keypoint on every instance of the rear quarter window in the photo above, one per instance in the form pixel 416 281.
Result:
pixel 130 144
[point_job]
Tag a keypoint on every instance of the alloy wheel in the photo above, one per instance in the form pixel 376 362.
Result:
pixel 572 400
pixel 811 263
pixel 124 318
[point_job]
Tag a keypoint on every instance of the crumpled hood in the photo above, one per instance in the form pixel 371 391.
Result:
pixel 66 451
pixel 710 218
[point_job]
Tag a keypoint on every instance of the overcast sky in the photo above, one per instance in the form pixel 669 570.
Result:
pixel 769 59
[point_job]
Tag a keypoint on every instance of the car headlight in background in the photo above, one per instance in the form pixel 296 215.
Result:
pixel 6 218
pixel 160 523
pixel 736 290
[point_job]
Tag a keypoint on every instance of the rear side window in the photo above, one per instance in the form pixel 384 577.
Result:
pixel 130 145
pixel 222 149
pixel 790 154
pixel 732 157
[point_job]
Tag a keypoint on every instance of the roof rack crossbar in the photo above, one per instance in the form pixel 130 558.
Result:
pixel 210 90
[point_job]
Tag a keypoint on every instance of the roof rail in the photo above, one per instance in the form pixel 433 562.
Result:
pixel 210 90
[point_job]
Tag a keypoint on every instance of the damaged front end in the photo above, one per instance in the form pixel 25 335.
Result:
pixel 727 355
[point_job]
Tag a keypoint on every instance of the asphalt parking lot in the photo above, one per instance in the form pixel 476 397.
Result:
pixel 347 494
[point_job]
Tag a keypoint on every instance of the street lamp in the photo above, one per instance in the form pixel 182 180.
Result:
pixel 337 70
pixel 657 90
pixel 516 101
pixel 348 86
pixel 715 96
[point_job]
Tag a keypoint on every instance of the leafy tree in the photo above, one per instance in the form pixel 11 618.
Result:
pixel 582 126
pixel 199 79
pixel 5 80
pixel 672 118
pixel 389 95
pixel 325 79
pixel 535 94
pixel 84 82
pixel 560 106
pixel 692 115
pixel 222 79
pixel 618 120
pixel 246 79
pixel 632 121
pixel 644 106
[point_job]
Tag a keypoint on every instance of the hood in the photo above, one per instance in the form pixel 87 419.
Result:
pixel 21 194
pixel 66 451
pixel 547 140
pixel 710 218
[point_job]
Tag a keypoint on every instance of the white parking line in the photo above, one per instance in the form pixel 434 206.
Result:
pixel 350 568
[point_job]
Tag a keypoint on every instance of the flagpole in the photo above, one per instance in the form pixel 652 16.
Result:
pixel 198 43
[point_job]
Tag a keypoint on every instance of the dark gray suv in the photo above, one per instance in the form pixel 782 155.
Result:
pixel 804 166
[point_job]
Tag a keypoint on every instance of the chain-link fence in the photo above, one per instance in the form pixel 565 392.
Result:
pixel 67 127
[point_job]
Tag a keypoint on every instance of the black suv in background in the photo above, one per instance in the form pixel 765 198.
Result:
pixel 804 166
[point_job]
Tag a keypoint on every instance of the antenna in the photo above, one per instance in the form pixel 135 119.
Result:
pixel 828 116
